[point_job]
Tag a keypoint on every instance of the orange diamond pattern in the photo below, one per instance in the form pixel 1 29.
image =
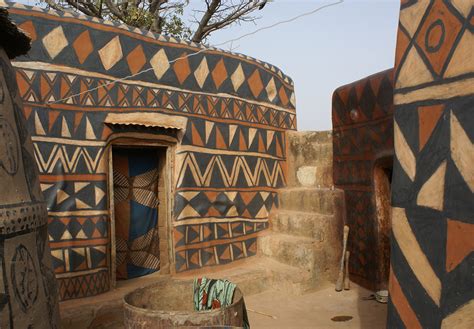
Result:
pixel 136 59
pixel 219 74
pixel 83 46
pixel 181 68
pixel 255 83
pixel 30 29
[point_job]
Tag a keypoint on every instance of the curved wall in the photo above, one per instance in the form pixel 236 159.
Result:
pixel 28 290
pixel 432 256
pixel 362 117
pixel 229 164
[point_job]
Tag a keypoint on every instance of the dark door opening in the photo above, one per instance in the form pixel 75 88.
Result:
pixel 382 187
pixel 138 185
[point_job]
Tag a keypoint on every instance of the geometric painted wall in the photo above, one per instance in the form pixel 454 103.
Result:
pixel 362 117
pixel 431 282
pixel 230 162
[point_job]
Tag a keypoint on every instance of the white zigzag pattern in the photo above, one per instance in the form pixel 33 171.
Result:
pixel 252 176
pixel 69 164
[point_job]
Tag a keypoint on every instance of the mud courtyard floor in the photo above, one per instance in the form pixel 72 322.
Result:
pixel 315 309
pixel 311 310
pixel 266 290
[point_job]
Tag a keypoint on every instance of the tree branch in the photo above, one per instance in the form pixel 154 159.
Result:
pixel 211 10
pixel 222 13
pixel 81 8
pixel 55 5
pixel 114 10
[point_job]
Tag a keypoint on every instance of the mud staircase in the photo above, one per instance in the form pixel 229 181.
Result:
pixel 305 231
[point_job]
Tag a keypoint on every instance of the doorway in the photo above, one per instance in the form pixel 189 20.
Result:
pixel 138 199
pixel 382 188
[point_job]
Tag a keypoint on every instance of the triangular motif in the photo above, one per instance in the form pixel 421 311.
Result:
pixel 65 129
pixel 428 117
pixel 89 130
pixel 432 192
pixel 81 204
pixel 61 196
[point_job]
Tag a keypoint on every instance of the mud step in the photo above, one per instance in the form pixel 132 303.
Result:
pixel 258 274
pixel 314 200
pixel 319 227
pixel 295 251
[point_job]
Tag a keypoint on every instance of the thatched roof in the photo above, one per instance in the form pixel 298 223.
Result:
pixel 12 39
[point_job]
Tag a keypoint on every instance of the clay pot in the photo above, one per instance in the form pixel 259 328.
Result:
pixel 169 304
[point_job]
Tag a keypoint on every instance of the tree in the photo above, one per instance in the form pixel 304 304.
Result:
pixel 166 16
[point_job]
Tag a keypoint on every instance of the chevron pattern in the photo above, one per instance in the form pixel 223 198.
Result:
pixel 53 157
pixel 362 117
pixel 228 166
pixel 38 87
pixel 85 285
pixel 202 170
pixel 432 258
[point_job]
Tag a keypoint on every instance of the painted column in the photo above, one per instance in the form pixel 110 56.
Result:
pixel 28 294
pixel 432 259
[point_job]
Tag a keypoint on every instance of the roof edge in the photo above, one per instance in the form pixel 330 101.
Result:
pixel 12 39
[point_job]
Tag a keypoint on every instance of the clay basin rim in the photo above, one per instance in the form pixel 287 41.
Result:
pixel 173 297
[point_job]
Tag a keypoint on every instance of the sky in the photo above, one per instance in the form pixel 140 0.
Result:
pixel 321 52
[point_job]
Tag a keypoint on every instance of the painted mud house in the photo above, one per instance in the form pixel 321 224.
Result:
pixel 362 116
pixel 408 133
pixel 173 169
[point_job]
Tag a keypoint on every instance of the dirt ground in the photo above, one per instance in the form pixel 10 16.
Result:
pixel 310 310
pixel 316 309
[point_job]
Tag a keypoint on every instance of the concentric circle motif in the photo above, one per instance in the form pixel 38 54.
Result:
pixel 434 36
pixel 24 278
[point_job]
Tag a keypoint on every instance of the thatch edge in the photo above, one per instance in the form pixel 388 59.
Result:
pixel 12 39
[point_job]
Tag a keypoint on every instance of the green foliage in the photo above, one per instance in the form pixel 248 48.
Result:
pixel 138 17
pixel 173 25
pixel 170 24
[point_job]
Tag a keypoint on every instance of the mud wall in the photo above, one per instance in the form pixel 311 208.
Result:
pixel 432 262
pixel 362 117
pixel 309 159
pixel 229 163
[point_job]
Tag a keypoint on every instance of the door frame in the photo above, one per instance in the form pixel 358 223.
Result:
pixel 170 151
